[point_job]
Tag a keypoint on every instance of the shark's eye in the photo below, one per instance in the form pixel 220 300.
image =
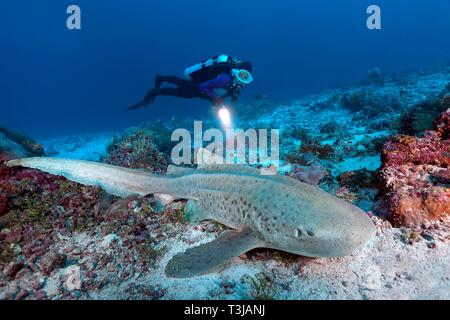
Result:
pixel 298 233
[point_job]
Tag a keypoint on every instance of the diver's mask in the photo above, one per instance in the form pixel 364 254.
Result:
pixel 242 76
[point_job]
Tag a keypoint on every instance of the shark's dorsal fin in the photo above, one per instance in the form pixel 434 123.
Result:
pixel 212 162
pixel 206 158
pixel 232 168
pixel 204 258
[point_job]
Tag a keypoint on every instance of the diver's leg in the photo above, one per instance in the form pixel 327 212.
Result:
pixel 187 90
pixel 170 79
pixel 184 91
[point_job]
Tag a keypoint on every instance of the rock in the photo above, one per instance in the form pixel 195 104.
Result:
pixel 51 260
pixel 40 295
pixel 227 284
pixel 362 178
pixel 109 239
pixel 12 269
pixel 371 280
pixel 73 281
pixel 361 148
pixel 52 286
pixel 3 204
pixel 211 227
pixel 308 174
pixel 22 294
pixel 15 145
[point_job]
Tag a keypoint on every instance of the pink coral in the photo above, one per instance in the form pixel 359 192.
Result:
pixel 415 174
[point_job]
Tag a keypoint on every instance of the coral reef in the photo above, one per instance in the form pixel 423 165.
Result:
pixel 301 134
pixel 367 104
pixel 304 159
pixel 16 145
pixel 141 148
pixel 331 127
pixel 362 178
pixel 422 116
pixel 414 176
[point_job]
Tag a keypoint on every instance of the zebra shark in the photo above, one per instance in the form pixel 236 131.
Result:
pixel 263 211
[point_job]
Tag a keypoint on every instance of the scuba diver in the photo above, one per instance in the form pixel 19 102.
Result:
pixel 212 80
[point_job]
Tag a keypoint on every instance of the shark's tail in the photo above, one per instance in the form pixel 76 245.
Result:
pixel 115 180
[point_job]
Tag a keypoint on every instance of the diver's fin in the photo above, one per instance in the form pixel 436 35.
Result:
pixel 148 99
pixel 204 258
pixel 115 180
pixel 136 106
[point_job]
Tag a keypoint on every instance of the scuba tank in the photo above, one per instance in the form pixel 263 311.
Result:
pixel 210 68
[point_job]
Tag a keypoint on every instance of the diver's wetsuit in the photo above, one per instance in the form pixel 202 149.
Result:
pixel 191 89
pixel 203 86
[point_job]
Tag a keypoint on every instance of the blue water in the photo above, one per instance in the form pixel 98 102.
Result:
pixel 55 82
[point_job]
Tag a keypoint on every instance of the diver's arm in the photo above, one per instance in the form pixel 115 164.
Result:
pixel 234 93
pixel 207 88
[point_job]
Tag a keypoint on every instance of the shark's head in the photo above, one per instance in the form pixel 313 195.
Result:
pixel 328 227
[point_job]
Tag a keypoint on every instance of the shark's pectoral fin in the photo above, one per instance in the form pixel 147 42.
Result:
pixel 202 259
